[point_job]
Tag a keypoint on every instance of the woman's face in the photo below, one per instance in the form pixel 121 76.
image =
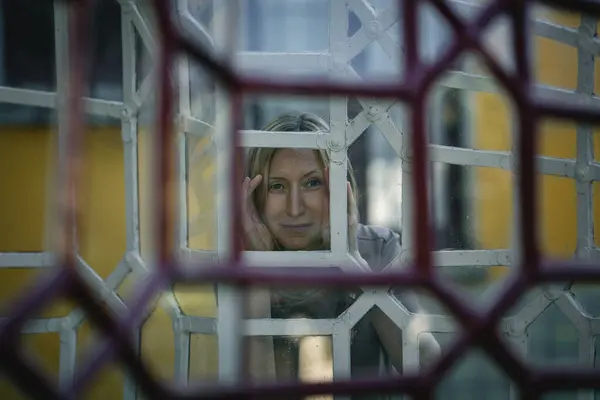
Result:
pixel 296 205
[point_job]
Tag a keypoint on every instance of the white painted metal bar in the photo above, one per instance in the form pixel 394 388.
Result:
pixel 338 118
pixel 40 326
pixel 282 63
pixel 103 108
pixel 229 298
pixel 342 360
pixel 67 357
pixel 407 219
pixel 131 10
pixel 307 140
pixel 252 138
pixel 183 78
pixel 27 97
pixel 503 160
pixel 193 258
pixel 460 258
pixel 338 203
pixel 542 28
pixel 526 315
pixel 94 281
pixel 195 126
pixel 583 185
pixel 357 310
pixel 114 281
pixel 516 239
pixel 388 128
pixel 182 354
pixel 39 98
pixel 182 183
pixel 372 111
pixel 26 260
pixel 68 336
pixel 519 343
pixel 293 259
pixel 356 127
pixel 374 28
pixel 129 134
pixel 145 91
pixel 135 262
pixel 378 114
pixel 289 327
pixel 558 33
pixel 595 325
pixel 191 27
pixel 202 325
pixel 576 315
pixel 322 259
pixel 480 83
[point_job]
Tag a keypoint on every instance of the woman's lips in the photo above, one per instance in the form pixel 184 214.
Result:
pixel 296 227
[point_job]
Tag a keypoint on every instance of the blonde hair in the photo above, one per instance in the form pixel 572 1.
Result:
pixel 259 158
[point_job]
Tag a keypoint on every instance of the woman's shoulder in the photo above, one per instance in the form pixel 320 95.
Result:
pixel 378 245
pixel 376 233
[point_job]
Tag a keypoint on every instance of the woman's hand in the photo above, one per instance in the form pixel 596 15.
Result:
pixel 352 218
pixel 257 235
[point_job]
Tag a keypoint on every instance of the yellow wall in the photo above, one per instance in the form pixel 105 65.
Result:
pixel 24 157
pixel 556 65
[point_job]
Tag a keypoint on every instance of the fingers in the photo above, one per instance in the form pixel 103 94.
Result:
pixel 257 234
pixel 245 186
pixel 248 206
pixel 253 183
pixel 249 185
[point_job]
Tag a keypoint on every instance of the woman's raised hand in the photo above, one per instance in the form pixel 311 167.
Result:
pixel 257 235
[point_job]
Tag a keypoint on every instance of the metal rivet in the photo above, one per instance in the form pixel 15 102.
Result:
pixel 373 113
pixel 126 114
pixel 334 144
pixel 406 158
pixel 582 173
pixel 510 329
pixel 373 29
pixel 65 324
pixel 506 162
pixel 338 63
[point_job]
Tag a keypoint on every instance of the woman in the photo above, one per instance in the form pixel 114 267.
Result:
pixel 286 208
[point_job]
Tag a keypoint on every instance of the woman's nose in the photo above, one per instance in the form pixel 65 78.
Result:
pixel 295 202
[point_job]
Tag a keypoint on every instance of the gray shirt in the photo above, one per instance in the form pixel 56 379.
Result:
pixel 378 246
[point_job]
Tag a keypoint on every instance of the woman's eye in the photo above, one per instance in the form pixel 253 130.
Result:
pixel 276 186
pixel 313 183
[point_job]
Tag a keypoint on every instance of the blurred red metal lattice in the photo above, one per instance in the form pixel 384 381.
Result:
pixel 479 326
